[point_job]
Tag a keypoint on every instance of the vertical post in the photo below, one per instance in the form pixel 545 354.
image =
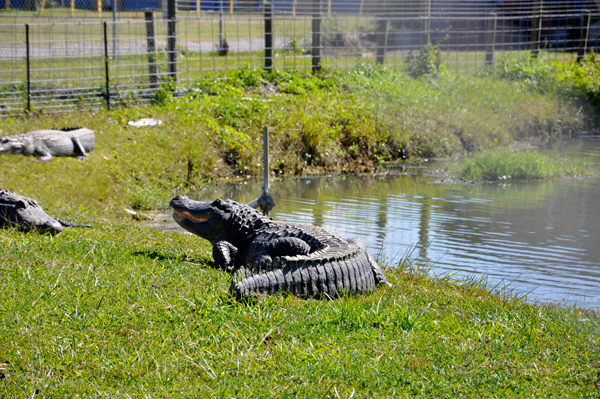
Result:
pixel 43 5
pixel 172 40
pixel 198 8
pixel 7 5
pixel 28 67
pixel 316 36
pixel 221 45
pixel 99 4
pixel 426 25
pixel 266 160
pixel 329 8
pixel 490 39
pixel 151 39
pixel 381 40
pixel 585 29
pixel 536 28
pixel 114 29
pixel 72 8
pixel 231 3
pixel 293 8
pixel 268 36
pixel 106 75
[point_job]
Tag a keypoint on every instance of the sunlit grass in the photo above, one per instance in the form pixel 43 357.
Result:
pixel 119 310
pixel 505 164
pixel 353 121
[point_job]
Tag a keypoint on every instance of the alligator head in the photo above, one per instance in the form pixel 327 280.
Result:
pixel 205 219
pixel 25 214
pixel 11 145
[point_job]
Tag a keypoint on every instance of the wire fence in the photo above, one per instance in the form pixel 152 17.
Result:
pixel 55 62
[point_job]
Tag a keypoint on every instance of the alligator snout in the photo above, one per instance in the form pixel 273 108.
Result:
pixel 178 199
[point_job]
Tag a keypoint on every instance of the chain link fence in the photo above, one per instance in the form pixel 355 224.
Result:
pixel 55 58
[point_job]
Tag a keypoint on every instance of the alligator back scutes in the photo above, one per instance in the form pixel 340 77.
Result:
pixel 306 277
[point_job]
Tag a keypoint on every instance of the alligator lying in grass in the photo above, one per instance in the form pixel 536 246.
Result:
pixel 267 257
pixel 73 141
pixel 25 214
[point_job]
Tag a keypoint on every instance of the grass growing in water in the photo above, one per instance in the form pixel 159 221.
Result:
pixel 505 164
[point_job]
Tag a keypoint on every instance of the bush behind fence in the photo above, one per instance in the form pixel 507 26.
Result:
pixel 71 63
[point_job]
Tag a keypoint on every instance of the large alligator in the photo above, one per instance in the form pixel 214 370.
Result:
pixel 77 141
pixel 25 214
pixel 267 257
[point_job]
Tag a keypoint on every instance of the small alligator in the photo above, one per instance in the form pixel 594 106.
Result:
pixel 25 214
pixel 267 257
pixel 46 144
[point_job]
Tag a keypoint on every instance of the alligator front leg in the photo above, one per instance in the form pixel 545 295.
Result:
pixel 224 254
pixel 78 149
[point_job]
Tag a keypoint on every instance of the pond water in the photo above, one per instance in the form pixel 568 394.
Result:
pixel 540 239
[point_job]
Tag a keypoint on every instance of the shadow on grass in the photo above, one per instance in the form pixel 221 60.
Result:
pixel 163 255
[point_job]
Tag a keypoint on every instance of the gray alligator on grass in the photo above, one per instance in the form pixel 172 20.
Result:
pixel 267 257
pixel 72 141
pixel 25 214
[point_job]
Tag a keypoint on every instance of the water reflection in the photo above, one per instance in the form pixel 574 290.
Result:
pixel 541 237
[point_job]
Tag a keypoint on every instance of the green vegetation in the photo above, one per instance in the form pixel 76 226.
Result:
pixel 332 122
pixel 120 310
pixel 505 164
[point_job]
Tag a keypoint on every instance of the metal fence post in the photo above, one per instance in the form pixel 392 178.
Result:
pixel 426 25
pixel 536 32
pixel 151 40
pixel 425 36
pixel 28 68
pixel 172 39
pixel 268 36
pixel 114 29
pixel 585 29
pixel 316 36
pixel 490 39
pixel 382 28
pixel 106 75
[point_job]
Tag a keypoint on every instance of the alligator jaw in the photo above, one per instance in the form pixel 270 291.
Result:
pixel 198 217
pixel 195 211
pixel 186 215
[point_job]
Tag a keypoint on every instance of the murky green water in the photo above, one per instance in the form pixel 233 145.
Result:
pixel 540 238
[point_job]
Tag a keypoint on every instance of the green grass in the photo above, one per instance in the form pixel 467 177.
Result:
pixel 331 122
pixel 120 310
pixel 506 164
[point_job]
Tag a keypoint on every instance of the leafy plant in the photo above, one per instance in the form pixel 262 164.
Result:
pixel 426 64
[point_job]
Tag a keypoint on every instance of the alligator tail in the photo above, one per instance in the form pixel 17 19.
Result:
pixel 69 224
pixel 319 278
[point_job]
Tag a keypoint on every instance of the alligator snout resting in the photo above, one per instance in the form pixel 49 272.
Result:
pixel 46 144
pixel 25 214
pixel 267 257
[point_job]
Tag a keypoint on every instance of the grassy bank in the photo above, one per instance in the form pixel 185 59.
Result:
pixel 333 122
pixel 121 311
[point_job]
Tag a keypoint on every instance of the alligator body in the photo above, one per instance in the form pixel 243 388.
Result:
pixel 50 143
pixel 25 214
pixel 267 257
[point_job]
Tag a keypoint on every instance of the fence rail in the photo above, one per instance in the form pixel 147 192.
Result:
pixel 66 63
